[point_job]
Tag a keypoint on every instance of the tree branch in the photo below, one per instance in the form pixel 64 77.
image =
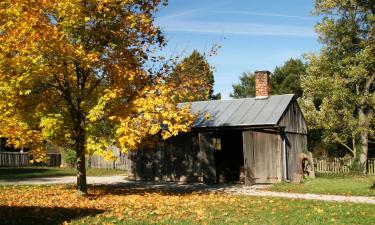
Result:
pixel 347 147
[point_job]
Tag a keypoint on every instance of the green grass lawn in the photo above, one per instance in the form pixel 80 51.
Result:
pixel 246 210
pixel 57 204
pixel 33 172
pixel 331 184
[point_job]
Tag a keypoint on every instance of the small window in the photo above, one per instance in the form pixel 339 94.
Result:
pixel 217 144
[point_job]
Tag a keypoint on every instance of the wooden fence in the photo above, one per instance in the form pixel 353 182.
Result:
pixel 340 165
pixel 95 161
pixel 18 159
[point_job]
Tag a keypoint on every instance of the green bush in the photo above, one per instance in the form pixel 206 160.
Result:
pixel 70 157
pixel 356 168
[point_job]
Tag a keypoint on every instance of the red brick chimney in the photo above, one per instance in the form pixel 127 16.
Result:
pixel 262 83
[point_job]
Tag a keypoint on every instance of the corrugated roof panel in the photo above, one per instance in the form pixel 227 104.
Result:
pixel 279 110
pixel 241 112
pixel 236 117
pixel 225 110
pixel 244 107
pixel 235 107
pixel 253 116
pixel 267 113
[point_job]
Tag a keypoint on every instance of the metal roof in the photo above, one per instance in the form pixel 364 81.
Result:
pixel 240 112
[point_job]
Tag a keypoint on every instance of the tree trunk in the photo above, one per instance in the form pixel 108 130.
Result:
pixel 81 167
pixel 355 152
pixel 363 140
pixel 364 150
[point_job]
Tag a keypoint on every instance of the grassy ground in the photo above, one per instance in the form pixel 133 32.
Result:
pixel 331 184
pixel 59 204
pixel 33 172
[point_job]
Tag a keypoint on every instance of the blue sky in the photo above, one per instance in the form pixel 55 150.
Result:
pixel 253 34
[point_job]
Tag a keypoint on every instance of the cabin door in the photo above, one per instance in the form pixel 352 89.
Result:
pixel 261 157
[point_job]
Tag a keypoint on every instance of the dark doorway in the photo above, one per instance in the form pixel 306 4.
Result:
pixel 228 156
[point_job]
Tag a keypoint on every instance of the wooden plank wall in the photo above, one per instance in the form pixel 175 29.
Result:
pixel 206 157
pixel 295 144
pixel 184 158
pixel 262 155
pixel 267 148
pixel 248 151
pixel 293 119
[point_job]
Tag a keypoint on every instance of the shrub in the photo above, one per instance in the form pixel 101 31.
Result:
pixel 356 168
pixel 70 157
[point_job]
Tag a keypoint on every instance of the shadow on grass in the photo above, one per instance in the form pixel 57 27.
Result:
pixel 163 188
pixel 13 215
pixel 25 173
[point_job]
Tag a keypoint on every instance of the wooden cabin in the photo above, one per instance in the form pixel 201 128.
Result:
pixel 258 138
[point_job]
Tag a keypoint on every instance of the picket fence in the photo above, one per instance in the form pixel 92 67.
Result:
pixel 340 165
pixel 18 159
pixel 99 162
pixel 22 159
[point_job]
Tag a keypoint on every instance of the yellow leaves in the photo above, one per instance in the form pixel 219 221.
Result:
pixel 156 113
pixel 318 210
pixel 99 146
pixel 207 116
pixel 132 20
pixel 50 125
pixel 141 205
pixel 60 59
pixel 24 92
pixel 127 202
pixel 38 155
pixel 96 112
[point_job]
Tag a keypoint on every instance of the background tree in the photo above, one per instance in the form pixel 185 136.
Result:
pixel 339 84
pixel 75 73
pixel 194 76
pixel 246 87
pixel 284 80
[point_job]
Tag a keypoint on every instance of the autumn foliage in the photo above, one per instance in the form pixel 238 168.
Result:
pixel 82 74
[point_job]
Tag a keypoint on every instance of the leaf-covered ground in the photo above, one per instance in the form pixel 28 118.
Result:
pixel 110 205
pixel 331 184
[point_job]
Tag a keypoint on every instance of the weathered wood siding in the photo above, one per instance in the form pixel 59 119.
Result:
pixel 295 144
pixel 206 157
pixel 185 158
pixel 293 119
pixel 18 159
pixel 262 157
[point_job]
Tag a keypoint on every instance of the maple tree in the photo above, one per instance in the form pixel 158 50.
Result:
pixel 82 73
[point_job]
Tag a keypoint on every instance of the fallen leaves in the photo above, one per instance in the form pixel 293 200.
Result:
pixel 118 204
pixel 138 204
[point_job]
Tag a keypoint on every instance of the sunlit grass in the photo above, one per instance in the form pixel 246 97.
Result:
pixel 331 184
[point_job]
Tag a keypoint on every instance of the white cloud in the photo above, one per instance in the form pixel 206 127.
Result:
pixel 183 21
pixel 266 14
pixel 235 28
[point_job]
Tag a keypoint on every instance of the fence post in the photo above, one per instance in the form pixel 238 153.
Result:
pixel 340 165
